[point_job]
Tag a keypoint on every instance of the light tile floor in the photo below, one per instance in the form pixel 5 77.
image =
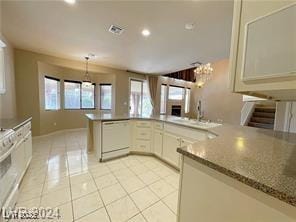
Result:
pixel 133 188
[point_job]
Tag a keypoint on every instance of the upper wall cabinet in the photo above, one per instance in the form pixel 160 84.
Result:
pixel 263 50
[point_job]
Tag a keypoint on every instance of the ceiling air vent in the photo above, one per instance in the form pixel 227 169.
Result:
pixel 116 30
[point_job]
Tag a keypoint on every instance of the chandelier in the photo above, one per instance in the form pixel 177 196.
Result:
pixel 203 73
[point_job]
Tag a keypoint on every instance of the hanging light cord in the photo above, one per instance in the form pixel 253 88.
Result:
pixel 87 58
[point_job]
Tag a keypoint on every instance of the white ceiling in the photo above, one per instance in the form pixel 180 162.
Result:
pixel 72 31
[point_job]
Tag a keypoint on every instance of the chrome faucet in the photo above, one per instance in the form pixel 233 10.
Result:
pixel 199 111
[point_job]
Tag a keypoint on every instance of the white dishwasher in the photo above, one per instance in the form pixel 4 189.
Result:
pixel 115 139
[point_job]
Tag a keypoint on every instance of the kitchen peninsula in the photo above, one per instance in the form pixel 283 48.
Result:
pixel 223 167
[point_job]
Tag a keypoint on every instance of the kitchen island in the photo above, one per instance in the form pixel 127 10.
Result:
pixel 228 173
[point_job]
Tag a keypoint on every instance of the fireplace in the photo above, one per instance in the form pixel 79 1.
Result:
pixel 176 110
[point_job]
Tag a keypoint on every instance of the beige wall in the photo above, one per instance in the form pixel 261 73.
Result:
pixel 8 100
pixel 29 69
pixel 66 119
pixel 217 100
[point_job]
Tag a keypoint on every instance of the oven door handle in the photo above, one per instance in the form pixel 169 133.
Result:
pixel 3 157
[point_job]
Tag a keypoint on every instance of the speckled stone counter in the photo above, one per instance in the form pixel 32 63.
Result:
pixel 262 159
pixel 13 123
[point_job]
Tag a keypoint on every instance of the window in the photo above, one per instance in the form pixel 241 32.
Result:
pixel 140 103
pixel 52 93
pixel 105 96
pixel 176 93
pixel 88 96
pixel 187 100
pixel 2 67
pixel 163 99
pixel 136 89
pixel 72 94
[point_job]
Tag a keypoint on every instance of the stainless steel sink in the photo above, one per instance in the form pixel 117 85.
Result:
pixel 194 122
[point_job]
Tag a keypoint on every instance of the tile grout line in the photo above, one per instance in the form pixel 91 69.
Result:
pixel 160 199
pixel 70 186
pixel 101 197
pixel 146 186
pixel 126 193
pixel 84 158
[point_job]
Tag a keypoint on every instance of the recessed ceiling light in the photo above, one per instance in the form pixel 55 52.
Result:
pixel 189 26
pixel 145 32
pixel 71 2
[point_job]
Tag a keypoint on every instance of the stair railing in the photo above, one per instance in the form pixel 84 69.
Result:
pixel 246 112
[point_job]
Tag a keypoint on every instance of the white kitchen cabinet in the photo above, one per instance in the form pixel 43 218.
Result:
pixel 143 146
pixel 157 142
pixel 158 125
pixel 186 142
pixel 28 148
pixel 143 124
pixel 208 195
pixel 142 136
pixel 148 137
pixel 171 143
pixel 18 156
pixel 262 59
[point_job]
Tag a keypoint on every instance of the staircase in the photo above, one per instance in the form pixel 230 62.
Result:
pixel 263 117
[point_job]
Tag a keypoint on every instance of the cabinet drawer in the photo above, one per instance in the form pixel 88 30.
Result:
pixel 143 124
pixel 158 125
pixel 142 145
pixel 28 126
pixel 144 134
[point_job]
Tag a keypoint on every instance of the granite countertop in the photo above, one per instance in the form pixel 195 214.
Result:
pixel 113 117
pixel 262 159
pixel 169 119
pixel 13 123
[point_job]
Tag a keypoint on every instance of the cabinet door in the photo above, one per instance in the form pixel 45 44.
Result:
pixel 142 146
pixel 170 145
pixel 28 148
pixel 157 143
pixel 262 63
pixel 18 158
pixel 186 142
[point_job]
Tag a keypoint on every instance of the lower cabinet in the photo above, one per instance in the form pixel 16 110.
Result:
pixel 169 149
pixel 19 160
pixel 157 142
pixel 163 140
pixel 21 155
pixel 28 148
pixel 142 145
pixel 186 142
pixel 141 136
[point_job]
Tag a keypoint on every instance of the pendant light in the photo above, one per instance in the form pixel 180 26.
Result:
pixel 86 80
